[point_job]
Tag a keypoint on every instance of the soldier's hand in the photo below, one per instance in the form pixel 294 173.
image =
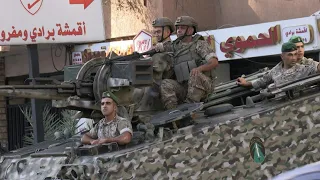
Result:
pixel 242 82
pixel 195 72
pixel 95 142
pixel 159 47
pixel 103 141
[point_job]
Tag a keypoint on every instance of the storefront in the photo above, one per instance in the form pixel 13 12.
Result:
pixel 250 48
pixel 240 50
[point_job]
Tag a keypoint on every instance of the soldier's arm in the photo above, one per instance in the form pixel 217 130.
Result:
pixel 125 129
pixel 86 139
pixel 259 83
pixel 124 138
pixel 164 47
pixel 311 69
pixel 211 63
pixel 206 53
pixel 318 66
pixel 91 136
pixel 308 61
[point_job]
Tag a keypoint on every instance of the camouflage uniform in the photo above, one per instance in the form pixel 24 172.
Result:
pixel 165 22
pixel 297 39
pixel 197 87
pixel 279 75
pixel 307 61
pixel 111 129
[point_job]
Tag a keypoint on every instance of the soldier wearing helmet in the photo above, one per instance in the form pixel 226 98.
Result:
pixel 186 25
pixel 162 29
pixel 194 64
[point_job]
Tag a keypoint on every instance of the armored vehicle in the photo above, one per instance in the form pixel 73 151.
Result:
pixel 269 131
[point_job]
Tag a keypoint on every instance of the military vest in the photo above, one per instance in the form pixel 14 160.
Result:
pixel 168 74
pixel 186 58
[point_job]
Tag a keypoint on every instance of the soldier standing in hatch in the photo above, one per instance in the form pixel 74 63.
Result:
pixel 163 27
pixel 194 64
pixel 112 128
pixel 289 69
pixel 298 41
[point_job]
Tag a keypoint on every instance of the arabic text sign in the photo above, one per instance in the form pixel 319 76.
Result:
pixel 89 51
pixel 142 42
pixel 58 21
pixel 251 41
pixel 239 44
pixel 304 31
pixel 76 58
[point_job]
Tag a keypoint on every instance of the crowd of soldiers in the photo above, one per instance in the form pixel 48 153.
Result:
pixel 193 78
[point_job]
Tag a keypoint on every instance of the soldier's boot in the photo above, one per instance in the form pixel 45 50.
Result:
pixel 195 95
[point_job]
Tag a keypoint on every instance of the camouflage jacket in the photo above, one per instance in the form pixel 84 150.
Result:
pixel 202 48
pixel 111 129
pixel 307 61
pixel 278 75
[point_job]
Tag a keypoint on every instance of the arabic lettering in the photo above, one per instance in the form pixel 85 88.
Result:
pixel 68 32
pixel 304 31
pixel 305 40
pixel 296 31
pixel 301 31
pixel 211 41
pixel 143 45
pixel 87 55
pixel 239 44
pixel 42 32
pixel 76 58
pixel 290 33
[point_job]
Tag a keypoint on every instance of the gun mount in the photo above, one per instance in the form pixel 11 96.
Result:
pixel 121 75
pixel 129 77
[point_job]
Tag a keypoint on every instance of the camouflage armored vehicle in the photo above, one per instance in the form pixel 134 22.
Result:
pixel 273 130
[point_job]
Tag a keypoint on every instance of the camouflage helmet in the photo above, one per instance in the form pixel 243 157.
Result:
pixel 187 21
pixel 162 22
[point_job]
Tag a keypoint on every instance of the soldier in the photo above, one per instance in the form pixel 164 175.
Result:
pixel 194 64
pixel 300 51
pixel 163 28
pixel 287 70
pixel 112 128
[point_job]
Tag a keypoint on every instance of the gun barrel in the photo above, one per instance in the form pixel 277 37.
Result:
pixel 233 83
pixel 49 92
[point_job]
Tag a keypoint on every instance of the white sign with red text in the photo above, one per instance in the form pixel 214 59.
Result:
pixel 263 39
pixel 142 42
pixel 250 41
pixel 304 31
pixel 76 58
pixel 59 21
